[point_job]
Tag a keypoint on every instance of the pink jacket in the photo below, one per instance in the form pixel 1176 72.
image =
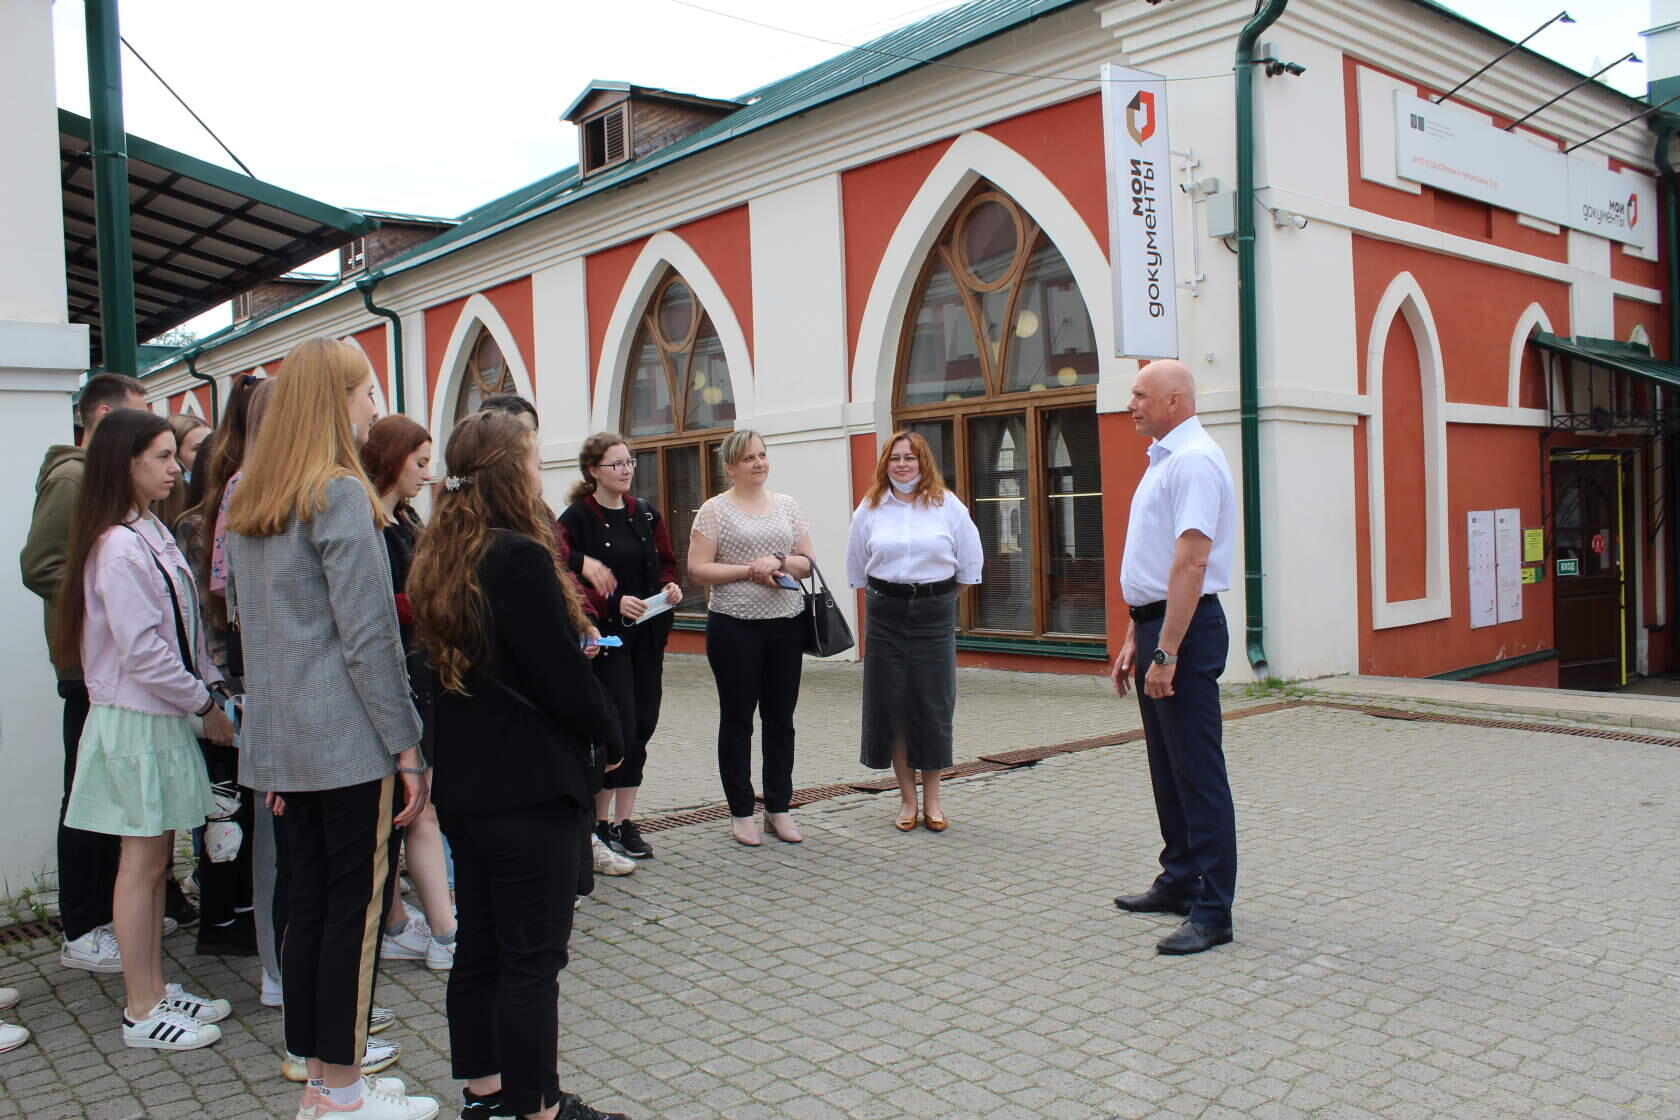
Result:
pixel 131 657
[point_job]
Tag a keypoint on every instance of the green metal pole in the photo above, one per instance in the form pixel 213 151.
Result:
pixel 1667 127
pixel 366 285
pixel 1248 329
pixel 110 190
pixel 191 358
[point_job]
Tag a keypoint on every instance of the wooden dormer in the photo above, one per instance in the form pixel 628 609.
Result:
pixel 618 122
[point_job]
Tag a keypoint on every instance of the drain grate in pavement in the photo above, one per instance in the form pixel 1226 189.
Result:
pixel 1504 724
pixel 30 931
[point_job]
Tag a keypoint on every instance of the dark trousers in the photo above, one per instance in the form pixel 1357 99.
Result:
pixel 756 664
pixel 225 888
pixel 1187 768
pixel 87 861
pixel 634 676
pixel 335 845
pixel 516 884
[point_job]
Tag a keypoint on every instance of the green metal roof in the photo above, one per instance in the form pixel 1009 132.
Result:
pixel 1625 357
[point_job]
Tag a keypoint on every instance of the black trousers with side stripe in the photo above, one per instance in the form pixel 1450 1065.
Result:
pixel 336 845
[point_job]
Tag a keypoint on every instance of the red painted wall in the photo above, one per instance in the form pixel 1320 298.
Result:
pixel 440 322
pixel 513 301
pixel 378 353
pixel 604 276
pixel 1405 511
pixel 724 241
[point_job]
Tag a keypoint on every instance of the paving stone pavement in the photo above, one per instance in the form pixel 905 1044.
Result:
pixel 1432 921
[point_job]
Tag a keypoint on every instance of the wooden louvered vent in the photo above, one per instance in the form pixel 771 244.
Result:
pixel 604 139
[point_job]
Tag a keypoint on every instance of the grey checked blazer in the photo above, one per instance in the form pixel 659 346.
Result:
pixel 327 700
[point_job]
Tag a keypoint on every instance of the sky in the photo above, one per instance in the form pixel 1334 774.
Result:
pixel 433 107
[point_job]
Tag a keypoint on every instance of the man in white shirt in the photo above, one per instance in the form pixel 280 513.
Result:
pixel 1177 560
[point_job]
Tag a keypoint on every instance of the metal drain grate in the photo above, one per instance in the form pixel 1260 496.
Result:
pixel 1504 724
pixel 31 931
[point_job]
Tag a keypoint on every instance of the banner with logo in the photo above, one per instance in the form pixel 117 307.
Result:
pixel 1140 213
pixel 1461 152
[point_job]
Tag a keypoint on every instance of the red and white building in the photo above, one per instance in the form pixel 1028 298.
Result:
pixel 879 242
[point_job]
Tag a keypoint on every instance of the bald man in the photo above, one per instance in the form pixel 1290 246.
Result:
pixel 1177 560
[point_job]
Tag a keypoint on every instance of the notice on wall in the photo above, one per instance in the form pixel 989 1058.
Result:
pixel 1140 213
pixel 1534 546
pixel 1484 587
pixel 1507 560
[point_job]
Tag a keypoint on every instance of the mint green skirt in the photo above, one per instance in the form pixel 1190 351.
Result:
pixel 137 774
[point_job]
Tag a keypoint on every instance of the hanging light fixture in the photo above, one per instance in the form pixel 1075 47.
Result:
pixel 1561 17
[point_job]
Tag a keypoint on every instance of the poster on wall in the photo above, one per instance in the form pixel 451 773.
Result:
pixel 1508 563
pixel 1484 600
pixel 1140 213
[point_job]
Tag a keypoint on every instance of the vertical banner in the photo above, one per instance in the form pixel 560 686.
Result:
pixel 1140 213
pixel 1484 588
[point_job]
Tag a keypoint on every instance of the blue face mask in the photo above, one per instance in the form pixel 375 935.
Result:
pixel 905 487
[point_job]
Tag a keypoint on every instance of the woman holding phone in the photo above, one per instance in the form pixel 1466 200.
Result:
pixel 912 549
pixel 749 545
pixel 606 523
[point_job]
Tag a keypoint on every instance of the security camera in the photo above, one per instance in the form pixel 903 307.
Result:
pixel 1288 219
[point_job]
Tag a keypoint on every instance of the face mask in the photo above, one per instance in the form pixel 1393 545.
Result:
pixel 186 475
pixel 905 487
pixel 355 431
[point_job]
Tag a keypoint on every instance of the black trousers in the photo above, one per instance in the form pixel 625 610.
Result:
pixel 335 846
pixel 634 675
pixel 1184 734
pixel 516 884
pixel 756 664
pixel 225 888
pixel 87 861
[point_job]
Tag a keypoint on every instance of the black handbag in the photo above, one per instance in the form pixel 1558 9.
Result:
pixel 825 630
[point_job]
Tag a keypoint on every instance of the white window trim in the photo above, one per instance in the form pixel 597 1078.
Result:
pixel 1404 304
pixel 477 312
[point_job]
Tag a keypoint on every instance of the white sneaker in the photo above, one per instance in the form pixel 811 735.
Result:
pixel 11 1035
pixel 8 998
pixel 408 945
pixel 168 1029
pixel 273 995
pixel 441 958
pixel 375 1104
pixel 380 1018
pixel 170 925
pixel 94 951
pixel 609 862
pixel 202 1008
pixel 379 1055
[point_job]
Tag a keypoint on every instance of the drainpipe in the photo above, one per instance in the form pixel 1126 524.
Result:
pixel 109 150
pixel 1667 127
pixel 191 358
pixel 1248 328
pixel 366 285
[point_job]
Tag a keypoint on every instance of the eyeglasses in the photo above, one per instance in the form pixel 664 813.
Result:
pixel 620 465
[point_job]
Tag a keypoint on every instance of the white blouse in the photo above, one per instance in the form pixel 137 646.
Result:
pixel 901 542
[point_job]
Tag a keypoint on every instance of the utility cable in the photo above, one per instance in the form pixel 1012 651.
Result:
pixel 913 58
pixel 185 106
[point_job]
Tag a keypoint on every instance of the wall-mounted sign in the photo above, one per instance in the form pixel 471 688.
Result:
pixel 1534 546
pixel 1461 152
pixel 1597 544
pixel 1533 575
pixel 1140 213
pixel 1568 567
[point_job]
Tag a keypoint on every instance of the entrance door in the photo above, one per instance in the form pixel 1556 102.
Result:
pixel 1592 570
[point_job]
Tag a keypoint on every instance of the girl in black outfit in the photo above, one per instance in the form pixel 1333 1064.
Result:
pixel 515 713
pixel 607 524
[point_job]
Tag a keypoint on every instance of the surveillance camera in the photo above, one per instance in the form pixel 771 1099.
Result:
pixel 1295 68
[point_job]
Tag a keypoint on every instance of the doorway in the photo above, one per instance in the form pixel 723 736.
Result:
pixel 1592 569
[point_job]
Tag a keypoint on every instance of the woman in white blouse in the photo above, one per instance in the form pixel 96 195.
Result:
pixel 912 548
pixel 746 544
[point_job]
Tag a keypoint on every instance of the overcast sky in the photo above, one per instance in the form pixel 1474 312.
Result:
pixel 435 107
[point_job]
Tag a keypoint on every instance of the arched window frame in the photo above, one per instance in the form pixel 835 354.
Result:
pixel 1043 410
pixel 680 469
pixel 473 387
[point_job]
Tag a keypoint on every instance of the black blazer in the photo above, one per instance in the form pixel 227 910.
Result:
pixel 497 750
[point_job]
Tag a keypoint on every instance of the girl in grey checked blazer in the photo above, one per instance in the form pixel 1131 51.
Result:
pixel 329 725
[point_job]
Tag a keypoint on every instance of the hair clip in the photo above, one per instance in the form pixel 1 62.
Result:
pixel 455 481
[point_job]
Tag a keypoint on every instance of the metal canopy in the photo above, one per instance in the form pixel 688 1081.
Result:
pixel 1592 402
pixel 200 233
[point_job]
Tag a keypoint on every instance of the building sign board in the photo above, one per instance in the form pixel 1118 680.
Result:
pixel 1460 152
pixel 1568 567
pixel 1140 213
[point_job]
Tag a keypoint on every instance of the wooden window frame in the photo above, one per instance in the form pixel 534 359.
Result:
pixel 622 112
pixel 355 257
pixel 1034 405
pixel 470 377
pixel 241 306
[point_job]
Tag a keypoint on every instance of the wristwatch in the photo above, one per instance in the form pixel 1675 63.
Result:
pixel 1162 657
pixel 781 558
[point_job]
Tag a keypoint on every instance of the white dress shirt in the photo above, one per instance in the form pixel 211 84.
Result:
pixel 1187 486
pixel 903 542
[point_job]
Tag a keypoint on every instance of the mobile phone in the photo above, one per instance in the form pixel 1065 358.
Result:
pixel 784 580
pixel 610 641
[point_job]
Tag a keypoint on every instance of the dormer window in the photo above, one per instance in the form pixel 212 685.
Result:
pixel 354 257
pixel 604 139
pixel 241 307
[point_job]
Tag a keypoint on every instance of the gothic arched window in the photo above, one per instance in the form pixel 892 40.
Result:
pixel 997 369
pixel 679 404
pixel 487 374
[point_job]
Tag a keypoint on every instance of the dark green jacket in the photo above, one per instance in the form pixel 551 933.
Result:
pixel 42 559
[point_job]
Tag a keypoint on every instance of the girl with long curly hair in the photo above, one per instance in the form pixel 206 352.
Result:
pixel 516 710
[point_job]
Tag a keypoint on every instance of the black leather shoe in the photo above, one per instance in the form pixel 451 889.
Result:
pixel 1193 937
pixel 1152 901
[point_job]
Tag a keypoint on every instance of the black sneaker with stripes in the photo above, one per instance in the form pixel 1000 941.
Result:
pixel 626 839
pixel 168 1029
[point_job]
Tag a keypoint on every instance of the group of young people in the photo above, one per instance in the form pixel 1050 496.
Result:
pixel 257 639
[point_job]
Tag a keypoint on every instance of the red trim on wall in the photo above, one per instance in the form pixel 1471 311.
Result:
pixel 1029 663
pixel 1406 512
pixel 378 351
pixel 604 276
pixel 724 242
pixel 1543 674
pixel 1123 463
pixel 513 302
pixel 440 324
pixel 863 455
pixel 1065 143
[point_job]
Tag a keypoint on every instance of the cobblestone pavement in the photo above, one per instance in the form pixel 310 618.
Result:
pixel 1433 921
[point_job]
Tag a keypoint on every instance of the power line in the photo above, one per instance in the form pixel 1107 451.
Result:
pixel 913 58
pixel 184 105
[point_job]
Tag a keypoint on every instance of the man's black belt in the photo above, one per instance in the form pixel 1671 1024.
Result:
pixel 1151 611
pixel 911 590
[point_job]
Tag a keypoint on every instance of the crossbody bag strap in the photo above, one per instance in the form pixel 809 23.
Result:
pixel 174 601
